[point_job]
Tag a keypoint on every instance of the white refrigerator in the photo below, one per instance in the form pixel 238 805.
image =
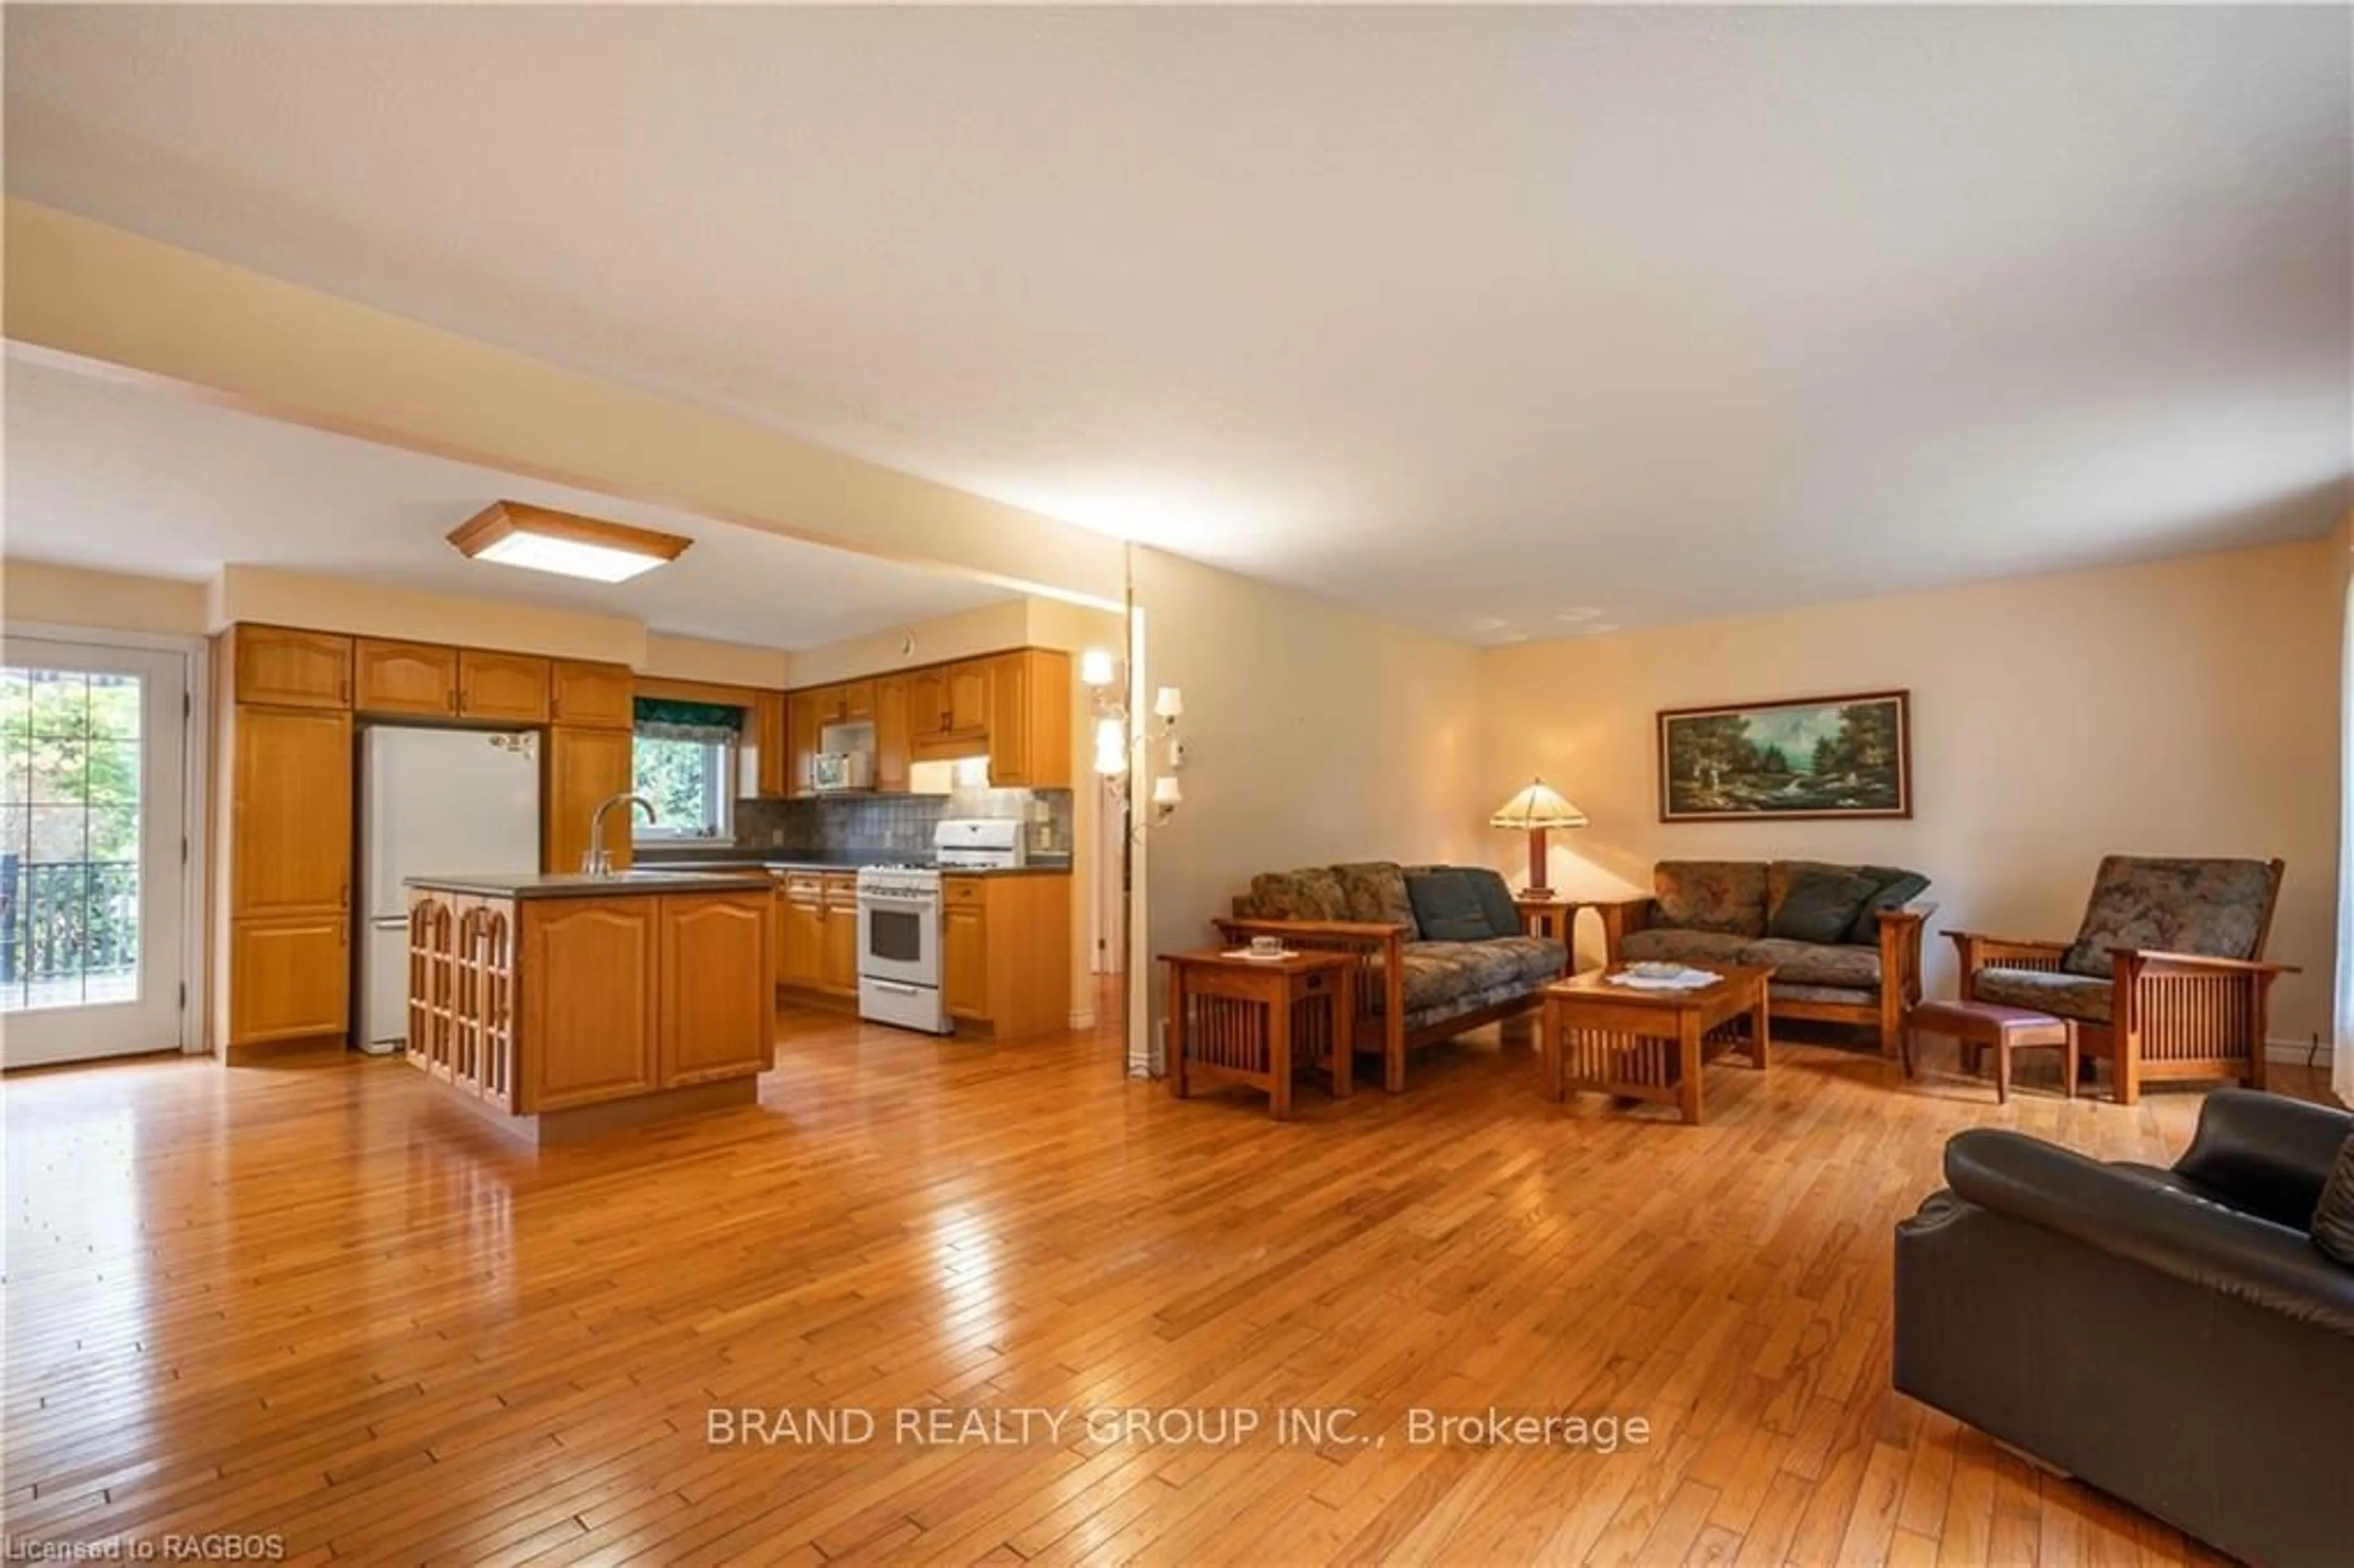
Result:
pixel 438 803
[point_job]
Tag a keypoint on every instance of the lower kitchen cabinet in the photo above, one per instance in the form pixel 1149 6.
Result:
pixel 718 999
pixel 818 948
pixel 588 979
pixel 964 956
pixel 838 960
pixel 1005 953
pixel 801 946
pixel 614 998
pixel 289 977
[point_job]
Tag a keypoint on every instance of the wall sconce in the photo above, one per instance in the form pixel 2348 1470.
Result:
pixel 1100 672
pixel 1111 747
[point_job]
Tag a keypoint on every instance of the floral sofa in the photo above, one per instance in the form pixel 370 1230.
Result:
pixel 1858 962
pixel 1411 990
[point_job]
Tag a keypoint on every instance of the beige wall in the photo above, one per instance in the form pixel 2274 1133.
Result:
pixel 2188 706
pixel 1316 733
pixel 339 604
pixel 35 593
pixel 93 293
pixel 983 629
pixel 729 663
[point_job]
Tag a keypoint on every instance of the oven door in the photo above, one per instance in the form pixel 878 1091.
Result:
pixel 899 940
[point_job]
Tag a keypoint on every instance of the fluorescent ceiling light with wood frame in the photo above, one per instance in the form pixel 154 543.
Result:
pixel 541 539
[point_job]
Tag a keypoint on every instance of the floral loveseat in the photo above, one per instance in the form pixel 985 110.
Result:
pixel 1844 941
pixel 1412 988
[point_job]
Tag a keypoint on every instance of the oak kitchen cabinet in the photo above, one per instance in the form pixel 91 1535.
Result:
pixel 948 710
pixel 404 677
pixel 891 734
pixel 508 688
pixel 285 972
pixel 290 668
pixel 394 679
pixel 583 768
pixel 850 702
pixel 1030 719
pixel 533 998
pixel 1005 952
pixel 819 949
pixel 583 694
pixel 771 747
pixel 1013 707
pixel 801 726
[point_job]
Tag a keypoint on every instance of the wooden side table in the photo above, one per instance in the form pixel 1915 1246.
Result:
pixel 1249 1021
pixel 1553 917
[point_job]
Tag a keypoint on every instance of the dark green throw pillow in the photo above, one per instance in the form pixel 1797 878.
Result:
pixel 1446 906
pixel 1897 888
pixel 2333 1218
pixel 1495 900
pixel 1820 906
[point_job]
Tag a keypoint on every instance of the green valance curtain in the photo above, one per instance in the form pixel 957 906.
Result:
pixel 670 718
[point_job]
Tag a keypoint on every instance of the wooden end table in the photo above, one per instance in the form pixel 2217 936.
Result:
pixel 1248 1020
pixel 1554 916
pixel 1651 1045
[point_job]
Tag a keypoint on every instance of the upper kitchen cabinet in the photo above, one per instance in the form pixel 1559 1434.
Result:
pixel 856 702
pixel 404 677
pixel 511 688
pixel 891 733
pixel 590 695
pixel 585 767
pixel 803 721
pixel 291 669
pixel 1029 720
pixel 967 689
pixel 771 763
pixel 948 710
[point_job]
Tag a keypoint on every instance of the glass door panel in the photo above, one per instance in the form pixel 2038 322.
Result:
pixel 91 877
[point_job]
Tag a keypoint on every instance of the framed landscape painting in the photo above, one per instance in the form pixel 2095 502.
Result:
pixel 1813 756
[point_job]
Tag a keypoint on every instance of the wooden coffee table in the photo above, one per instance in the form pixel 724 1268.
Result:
pixel 1651 1045
pixel 1248 1020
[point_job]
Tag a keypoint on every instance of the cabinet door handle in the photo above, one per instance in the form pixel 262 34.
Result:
pixel 344 894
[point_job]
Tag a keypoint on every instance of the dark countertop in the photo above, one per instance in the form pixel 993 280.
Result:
pixel 572 885
pixel 824 860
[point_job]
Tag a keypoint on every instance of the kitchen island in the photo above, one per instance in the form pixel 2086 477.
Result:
pixel 560 1006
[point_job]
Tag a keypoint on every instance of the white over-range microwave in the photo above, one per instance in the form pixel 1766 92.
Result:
pixel 833 771
pixel 846 758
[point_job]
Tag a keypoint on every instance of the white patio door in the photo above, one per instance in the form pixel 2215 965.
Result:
pixel 93 744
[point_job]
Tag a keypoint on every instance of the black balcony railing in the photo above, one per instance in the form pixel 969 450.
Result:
pixel 60 920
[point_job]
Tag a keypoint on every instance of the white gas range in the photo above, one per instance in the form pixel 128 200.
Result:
pixel 900 929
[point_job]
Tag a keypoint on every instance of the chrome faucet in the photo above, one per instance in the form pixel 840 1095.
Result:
pixel 597 862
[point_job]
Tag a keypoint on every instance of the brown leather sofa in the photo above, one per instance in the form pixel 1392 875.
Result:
pixel 2173 1337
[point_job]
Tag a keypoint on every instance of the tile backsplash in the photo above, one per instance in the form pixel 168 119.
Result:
pixel 899 824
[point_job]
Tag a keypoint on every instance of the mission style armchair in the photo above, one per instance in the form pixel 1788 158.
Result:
pixel 2166 978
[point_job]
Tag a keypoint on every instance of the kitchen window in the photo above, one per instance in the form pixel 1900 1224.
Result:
pixel 683 760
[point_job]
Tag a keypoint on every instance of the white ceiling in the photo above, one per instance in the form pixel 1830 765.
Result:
pixel 128 479
pixel 1502 322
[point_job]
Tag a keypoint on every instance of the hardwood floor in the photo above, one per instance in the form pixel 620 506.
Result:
pixel 307 1302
